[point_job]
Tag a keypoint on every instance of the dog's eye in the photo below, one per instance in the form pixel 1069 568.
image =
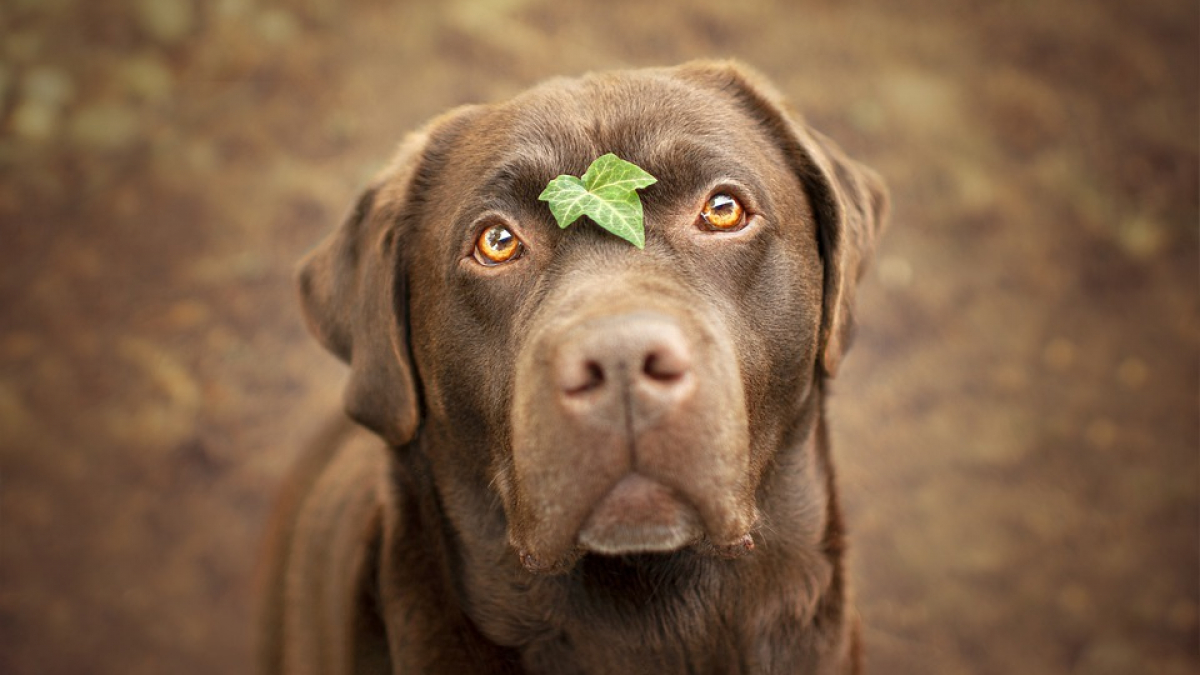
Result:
pixel 723 212
pixel 497 244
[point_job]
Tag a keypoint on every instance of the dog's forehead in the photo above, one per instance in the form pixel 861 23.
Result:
pixel 622 111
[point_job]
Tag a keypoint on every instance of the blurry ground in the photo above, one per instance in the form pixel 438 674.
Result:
pixel 1016 428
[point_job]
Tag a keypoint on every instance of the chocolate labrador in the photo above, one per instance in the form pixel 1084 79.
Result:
pixel 596 458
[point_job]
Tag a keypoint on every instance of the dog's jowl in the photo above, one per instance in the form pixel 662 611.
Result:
pixel 571 454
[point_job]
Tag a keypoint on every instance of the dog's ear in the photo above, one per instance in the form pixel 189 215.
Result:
pixel 848 199
pixel 353 289
pixel 853 215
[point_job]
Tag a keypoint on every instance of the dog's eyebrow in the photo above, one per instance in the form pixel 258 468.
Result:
pixel 687 164
pixel 520 179
pixel 688 153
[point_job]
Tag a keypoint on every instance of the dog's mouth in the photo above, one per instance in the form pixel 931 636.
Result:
pixel 640 515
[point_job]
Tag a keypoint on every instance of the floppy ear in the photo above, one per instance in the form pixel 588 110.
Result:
pixel 852 218
pixel 353 292
pixel 848 199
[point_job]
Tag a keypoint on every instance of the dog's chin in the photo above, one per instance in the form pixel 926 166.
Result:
pixel 640 515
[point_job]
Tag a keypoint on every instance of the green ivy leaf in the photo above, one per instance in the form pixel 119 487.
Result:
pixel 607 193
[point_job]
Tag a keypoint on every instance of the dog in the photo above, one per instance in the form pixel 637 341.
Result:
pixel 582 457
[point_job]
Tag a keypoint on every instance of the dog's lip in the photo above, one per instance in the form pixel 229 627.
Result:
pixel 640 515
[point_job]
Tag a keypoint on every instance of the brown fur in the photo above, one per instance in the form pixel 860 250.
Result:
pixel 676 513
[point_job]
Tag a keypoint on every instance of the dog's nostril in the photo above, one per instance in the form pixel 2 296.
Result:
pixel 590 377
pixel 595 375
pixel 666 364
pixel 655 368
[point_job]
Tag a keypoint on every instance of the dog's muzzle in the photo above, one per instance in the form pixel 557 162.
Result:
pixel 629 437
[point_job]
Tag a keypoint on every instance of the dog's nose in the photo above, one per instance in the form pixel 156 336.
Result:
pixel 635 365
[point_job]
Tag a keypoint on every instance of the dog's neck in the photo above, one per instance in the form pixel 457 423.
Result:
pixel 677 612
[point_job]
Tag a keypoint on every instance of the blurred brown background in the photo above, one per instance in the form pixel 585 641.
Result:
pixel 1016 428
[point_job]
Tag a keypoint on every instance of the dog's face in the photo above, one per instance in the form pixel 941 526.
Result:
pixel 612 400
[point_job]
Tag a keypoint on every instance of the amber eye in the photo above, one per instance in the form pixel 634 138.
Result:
pixel 497 244
pixel 723 212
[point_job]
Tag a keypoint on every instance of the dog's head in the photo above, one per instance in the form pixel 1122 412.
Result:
pixel 612 400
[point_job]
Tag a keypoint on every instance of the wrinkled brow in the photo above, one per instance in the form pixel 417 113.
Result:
pixel 530 157
pixel 520 179
pixel 683 165
pixel 689 164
